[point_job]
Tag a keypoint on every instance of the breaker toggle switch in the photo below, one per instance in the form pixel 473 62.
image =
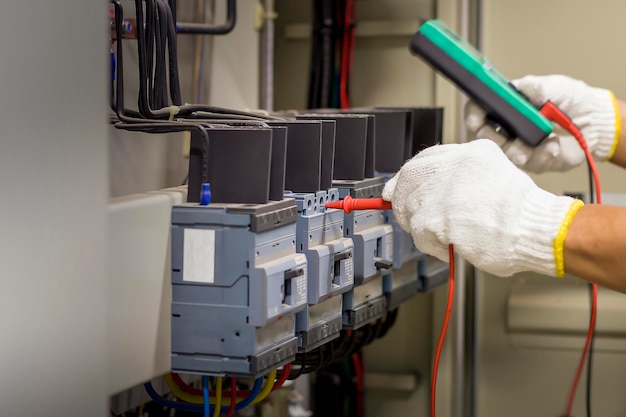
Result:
pixel 381 263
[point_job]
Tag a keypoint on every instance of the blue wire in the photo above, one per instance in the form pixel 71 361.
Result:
pixel 254 392
pixel 171 404
pixel 193 408
pixel 205 396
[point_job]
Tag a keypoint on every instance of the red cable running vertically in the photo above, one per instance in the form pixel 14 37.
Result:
pixel 347 52
pixel 554 114
pixel 442 336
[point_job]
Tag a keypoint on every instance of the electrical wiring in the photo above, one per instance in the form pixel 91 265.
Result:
pixel 182 395
pixel 199 54
pixel 592 200
pixel 358 373
pixel 442 336
pixel 218 397
pixel 162 29
pixel 183 385
pixel 233 396
pixel 267 388
pixel 314 70
pixel 554 114
pixel 282 377
pixel 196 408
pixel 205 396
pixel 344 98
pixel 589 360
pixel 196 399
pixel 192 408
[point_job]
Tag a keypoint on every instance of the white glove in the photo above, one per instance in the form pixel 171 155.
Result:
pixel 472 196
pixel 593 110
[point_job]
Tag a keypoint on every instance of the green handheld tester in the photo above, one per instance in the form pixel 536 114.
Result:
pixel 462 64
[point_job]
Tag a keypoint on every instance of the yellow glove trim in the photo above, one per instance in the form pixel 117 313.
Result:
pixel 562 234
pixel 618 127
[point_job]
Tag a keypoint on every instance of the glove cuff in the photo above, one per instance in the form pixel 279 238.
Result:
pixel 543 226
pixel 605 124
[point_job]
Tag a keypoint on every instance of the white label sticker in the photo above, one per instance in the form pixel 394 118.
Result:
pixel 199 256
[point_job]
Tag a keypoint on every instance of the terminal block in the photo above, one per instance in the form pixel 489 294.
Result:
pixel 330 267
pixel 373 254
pixel 237 285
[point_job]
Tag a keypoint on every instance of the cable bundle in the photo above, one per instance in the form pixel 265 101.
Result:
pixel 332 50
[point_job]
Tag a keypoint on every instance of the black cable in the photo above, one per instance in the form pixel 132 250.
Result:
pixel 175 93
pixel 137 124
pixel 149 46
pixel 592 200
pixel 315 70
pixel 328 53
pixel 161 79
pixel 140 30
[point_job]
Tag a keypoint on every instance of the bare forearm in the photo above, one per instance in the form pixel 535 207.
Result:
pixel 595 246
pixel 619 157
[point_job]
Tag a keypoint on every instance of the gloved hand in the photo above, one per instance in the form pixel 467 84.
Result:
pixel 593 110
pixel 472 196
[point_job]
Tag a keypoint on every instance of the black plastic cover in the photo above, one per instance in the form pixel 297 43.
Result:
pixel 304 155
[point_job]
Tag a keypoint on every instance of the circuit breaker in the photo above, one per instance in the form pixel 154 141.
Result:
pixel 237 280
pixel 319 232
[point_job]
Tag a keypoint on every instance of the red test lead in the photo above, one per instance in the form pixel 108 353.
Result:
pixel 348 204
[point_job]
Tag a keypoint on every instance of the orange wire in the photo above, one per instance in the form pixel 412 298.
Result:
pixel 554 114
pixel 442 336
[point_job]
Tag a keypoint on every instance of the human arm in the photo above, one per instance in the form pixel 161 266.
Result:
pixel 595 246
pixel 472 196
pixel 596 111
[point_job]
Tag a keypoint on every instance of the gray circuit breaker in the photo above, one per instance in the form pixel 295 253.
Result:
pixel 373 254
pixel 403 282
pixel 330 267
pixel 238 284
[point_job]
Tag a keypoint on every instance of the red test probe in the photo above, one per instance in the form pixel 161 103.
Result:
pixel 348 204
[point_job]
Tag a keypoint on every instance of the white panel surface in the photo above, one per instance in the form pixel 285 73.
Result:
pixel 53 177
pixel 139 288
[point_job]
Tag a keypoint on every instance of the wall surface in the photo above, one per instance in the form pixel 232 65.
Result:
pixel 53 177
pixel 577 38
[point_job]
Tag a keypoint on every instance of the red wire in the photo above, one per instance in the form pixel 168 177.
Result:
pixel 358 372
pixel 241 394
pixel 344 99
pixel 442 336
pixel 184 386
pixel 233 397
pixel 283 377
pixel 553 113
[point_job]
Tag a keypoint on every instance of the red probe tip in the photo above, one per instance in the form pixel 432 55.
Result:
pixel 348 204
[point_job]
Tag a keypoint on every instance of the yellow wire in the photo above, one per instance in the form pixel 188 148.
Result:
pixel 180 394
pixel 267 388
pixel 197 399
pixel 218 398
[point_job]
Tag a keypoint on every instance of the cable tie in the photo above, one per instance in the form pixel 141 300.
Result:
pixel 174 110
